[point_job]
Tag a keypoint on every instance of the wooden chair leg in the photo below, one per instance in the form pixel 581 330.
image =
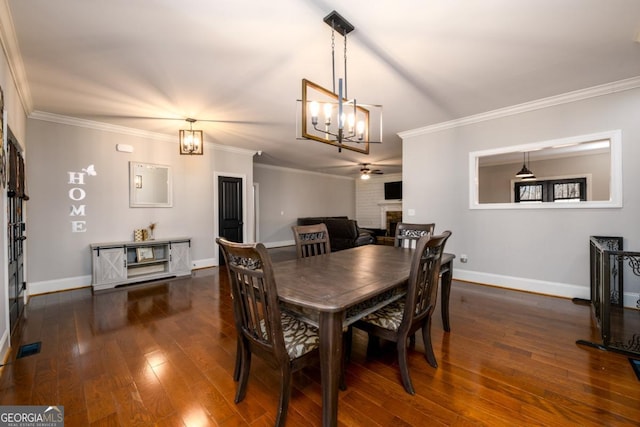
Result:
pixel 404 367
pixel 245 367
pixel 348 342
pixel 236 369
pixel 285 394
pixel 346 357
pixel 428 348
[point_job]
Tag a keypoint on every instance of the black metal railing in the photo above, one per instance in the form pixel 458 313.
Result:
pixel 619 327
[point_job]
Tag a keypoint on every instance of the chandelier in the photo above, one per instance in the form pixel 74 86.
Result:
pixel 329 116
pixel 191 141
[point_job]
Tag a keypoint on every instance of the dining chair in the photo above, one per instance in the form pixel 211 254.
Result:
pixel 408 234
pixel 280 339
pixel 311 240
pixel 401 319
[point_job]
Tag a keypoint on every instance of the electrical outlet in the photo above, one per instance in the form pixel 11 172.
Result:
pixel 464 258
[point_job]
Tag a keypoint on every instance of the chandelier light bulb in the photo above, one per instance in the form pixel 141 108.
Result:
pixel 195 142
pixel 328 109
pixel 314 109
pixel 188 141
pixel 360 130
pixel 351 121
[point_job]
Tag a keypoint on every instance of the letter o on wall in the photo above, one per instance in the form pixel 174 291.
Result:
pixel 77 194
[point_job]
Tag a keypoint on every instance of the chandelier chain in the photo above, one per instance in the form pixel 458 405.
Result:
pixel 333 53
pixel 345 66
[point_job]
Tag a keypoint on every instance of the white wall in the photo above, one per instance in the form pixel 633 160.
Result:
pixel 542 250
pixel 60 258
pixel 288 194
pixel 369 196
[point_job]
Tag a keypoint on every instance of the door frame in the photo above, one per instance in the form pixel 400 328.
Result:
pixel 216 205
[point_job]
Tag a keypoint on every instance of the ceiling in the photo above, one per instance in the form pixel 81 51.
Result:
pixel 240 63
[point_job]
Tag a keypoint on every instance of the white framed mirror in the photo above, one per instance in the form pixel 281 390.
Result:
pixel 583 171
pixel 150 185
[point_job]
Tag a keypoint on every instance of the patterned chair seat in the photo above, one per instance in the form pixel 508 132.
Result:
pixel 367 307
pixel 299 337
pixel 388 317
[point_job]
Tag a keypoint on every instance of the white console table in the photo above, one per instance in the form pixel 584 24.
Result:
pixel 122 263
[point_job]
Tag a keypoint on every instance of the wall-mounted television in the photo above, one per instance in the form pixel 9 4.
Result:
pixel 393 190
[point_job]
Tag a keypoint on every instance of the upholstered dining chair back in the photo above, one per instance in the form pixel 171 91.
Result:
pixel 422 287
pixel 408 234
pixel 401 319
pixel 311 240
pixel 264 330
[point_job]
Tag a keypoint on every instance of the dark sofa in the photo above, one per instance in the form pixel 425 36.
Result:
pixel 344 233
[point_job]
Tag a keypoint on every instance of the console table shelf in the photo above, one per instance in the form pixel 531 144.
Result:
pixel 122 263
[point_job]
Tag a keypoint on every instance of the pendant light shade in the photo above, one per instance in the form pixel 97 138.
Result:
pixel 525 172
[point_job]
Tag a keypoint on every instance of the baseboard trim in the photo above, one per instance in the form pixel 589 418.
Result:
pixel 48 286
pixel 557 289
pixel 204 263
pixel 5 344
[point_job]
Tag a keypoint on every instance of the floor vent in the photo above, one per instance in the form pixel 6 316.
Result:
pixel 28 349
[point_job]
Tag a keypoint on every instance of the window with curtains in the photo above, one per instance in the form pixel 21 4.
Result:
pixel 552 190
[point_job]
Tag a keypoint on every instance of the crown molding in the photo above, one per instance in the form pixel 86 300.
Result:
pixel 566 98
pixel 123 130
pixel 91 124
pixel 12 52
pixel 285 169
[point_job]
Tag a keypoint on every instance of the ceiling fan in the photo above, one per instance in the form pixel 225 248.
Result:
pixel 366 172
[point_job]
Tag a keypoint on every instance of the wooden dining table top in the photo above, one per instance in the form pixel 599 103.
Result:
pixel 338 280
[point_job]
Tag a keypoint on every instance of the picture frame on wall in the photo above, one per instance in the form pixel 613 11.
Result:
pixel 145 254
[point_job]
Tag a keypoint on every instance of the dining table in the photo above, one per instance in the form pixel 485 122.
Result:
pixel 335 290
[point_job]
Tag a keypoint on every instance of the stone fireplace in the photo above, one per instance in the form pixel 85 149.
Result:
pixel 390 215
pixel 392 220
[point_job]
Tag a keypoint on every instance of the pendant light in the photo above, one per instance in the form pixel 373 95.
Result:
pixel 525 172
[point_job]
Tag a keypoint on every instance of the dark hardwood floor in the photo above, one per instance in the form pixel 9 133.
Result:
pixel 163 354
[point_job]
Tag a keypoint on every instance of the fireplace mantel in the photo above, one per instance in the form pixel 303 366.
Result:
pixel 391 202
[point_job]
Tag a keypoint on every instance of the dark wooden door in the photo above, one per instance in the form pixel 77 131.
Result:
pixel 15 230
pixel 230 211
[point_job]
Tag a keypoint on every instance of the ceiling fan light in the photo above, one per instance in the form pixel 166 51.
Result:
pixel 365 176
